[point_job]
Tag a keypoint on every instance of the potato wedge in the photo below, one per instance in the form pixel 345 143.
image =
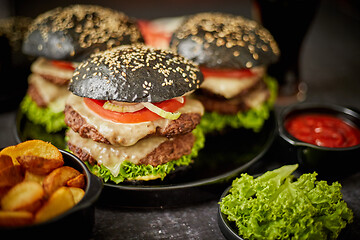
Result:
pixel 25 196
pixel 59 202
pixel 11 176
pixel 77 193
pixel 15 218
pixel 78 182
pixel 39 165
pixel 29 176
pixel 32 148
pixel 58 178
pixel 5 161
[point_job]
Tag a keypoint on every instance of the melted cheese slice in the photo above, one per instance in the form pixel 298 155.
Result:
pixel 54 95
pixel 45 67
pixel 227 87
pixel 230 87
pixel 113 156
pixel 256 98
pixel 121 134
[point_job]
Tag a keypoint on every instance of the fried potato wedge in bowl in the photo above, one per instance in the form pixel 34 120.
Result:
pixel 32 148
pixel 48 202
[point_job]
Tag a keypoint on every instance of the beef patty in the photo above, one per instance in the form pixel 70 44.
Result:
pixel 184 124
pixel 56 80
pixel 172 149
pixel 36 96
pixel 239 103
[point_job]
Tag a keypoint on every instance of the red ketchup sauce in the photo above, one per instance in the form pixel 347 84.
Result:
pixel 323 130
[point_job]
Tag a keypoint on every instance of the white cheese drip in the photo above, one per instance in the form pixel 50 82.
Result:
pixel 53 95
pixel 45 67
pixel 113 156
pixel 122 134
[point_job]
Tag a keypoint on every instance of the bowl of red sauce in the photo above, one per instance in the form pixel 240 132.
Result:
pixel 322 137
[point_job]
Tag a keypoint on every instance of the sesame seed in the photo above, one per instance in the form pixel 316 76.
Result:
pixel 93 24
pixel 218 29
pixel 168 72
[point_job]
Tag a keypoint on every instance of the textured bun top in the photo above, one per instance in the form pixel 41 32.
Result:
pixel 14 29
pixel 135 73
pixel 74 32
pixel 217 40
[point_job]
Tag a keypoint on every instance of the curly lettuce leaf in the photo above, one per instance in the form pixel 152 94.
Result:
pixel 252 119
pixel 130 171
pixel 275 206
pixel 52 121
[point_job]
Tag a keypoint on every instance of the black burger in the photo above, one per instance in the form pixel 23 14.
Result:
pixel 233 53
pixel 60 39
pixel 129 115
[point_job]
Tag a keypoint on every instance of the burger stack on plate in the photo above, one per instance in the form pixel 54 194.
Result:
pixel 233 53
pixel 60 39
pixel 137 112
pixel 130 114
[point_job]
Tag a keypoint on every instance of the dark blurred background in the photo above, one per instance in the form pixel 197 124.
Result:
pixel 330 49
pixel 136 8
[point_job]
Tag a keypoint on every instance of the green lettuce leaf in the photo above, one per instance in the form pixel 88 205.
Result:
pixel 252 119
pixel 130 171
pixel 275 206
pixel 52 121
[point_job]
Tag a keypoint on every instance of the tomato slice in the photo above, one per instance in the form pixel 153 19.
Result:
pixel 227 73
pixel 154 37
pixel 63 64
pixel 143 115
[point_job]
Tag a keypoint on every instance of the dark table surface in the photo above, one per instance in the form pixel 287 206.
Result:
pixel 330 63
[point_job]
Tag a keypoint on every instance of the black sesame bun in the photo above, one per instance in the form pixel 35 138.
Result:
pixel 217 40
pixel 74 32
pixel 135 73
pixel 14 29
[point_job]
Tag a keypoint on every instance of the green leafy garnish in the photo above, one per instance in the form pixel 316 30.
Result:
pixel 130 171
pixel 252 119
pixel 275 206
pixel 52 121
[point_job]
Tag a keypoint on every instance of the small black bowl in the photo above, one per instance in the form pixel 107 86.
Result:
pixel 330 162
pixel 76 223
pixel 227 228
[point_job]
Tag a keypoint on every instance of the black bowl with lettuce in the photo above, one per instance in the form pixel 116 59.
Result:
pixel 277 205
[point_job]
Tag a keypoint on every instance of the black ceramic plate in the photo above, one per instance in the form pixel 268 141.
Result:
pixel 220 161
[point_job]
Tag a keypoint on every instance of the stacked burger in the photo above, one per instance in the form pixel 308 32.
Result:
pixel 233 53
pixel 61 38
pixel 129 113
